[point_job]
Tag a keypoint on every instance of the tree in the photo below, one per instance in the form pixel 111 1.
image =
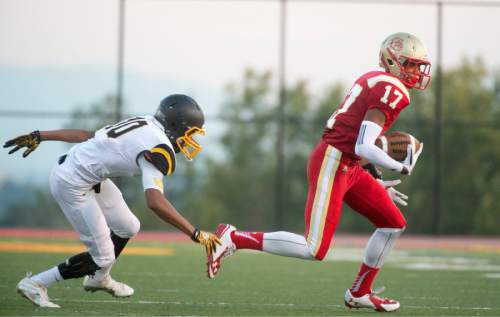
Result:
pixel 471 173
pixel 239 187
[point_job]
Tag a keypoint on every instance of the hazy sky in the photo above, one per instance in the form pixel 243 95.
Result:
pixel 55 54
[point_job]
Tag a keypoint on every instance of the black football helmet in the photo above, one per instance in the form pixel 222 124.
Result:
pixel 182 118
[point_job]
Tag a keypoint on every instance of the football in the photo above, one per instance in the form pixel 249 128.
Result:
pixel 395 144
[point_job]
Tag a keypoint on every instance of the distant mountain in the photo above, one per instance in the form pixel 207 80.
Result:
pixel 56 89
pixel 62 90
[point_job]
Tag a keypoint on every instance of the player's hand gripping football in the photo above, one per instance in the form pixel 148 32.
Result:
pixel 396 196
pixel 30 141
pixel 207 239
pixel 411 159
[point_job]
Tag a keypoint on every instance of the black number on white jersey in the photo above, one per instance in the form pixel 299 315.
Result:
pixel 125 126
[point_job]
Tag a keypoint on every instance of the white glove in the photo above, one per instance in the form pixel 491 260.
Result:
pixel 396 196
pixel 411 159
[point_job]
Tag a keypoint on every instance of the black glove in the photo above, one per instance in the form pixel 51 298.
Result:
pixel 30 141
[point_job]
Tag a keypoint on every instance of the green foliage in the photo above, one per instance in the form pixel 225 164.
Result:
pixel 470 172
pixel 34 207
pixel 239 186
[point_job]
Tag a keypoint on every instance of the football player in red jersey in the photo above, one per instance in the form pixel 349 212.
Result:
pixel 335 175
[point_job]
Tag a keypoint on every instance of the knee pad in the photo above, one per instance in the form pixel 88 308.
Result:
pixel 78 266
pixel 130 229
pixel 134 228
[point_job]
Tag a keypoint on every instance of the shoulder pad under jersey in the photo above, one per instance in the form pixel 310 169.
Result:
pixel 162 157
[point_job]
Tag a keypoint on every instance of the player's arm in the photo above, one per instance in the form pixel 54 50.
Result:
pixel 33 139
pixel 371 127
pixel 66 135
pixel 152 179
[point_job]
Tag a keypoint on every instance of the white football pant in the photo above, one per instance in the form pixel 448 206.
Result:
pixel 94 215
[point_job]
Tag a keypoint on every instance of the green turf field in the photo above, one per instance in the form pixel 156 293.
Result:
pixel 255 284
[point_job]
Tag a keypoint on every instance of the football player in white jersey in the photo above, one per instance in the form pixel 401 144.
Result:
pixel 93 204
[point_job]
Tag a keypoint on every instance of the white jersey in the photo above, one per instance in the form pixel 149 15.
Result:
pixel 115 149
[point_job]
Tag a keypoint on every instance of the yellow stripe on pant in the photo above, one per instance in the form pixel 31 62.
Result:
pixel 324 186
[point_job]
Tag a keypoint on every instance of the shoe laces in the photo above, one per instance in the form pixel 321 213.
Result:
pixel 378 291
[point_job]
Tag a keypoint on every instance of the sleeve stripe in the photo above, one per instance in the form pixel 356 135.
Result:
pixel 361 134
pixel 166 155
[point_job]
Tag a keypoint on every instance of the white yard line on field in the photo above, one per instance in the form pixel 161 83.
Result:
pixel 147 302
pixel 416 261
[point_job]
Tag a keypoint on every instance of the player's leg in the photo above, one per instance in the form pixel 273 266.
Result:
pixel 84 214
pixel 327 183
pixel 280 242
pixel 370 199
pixel 122 222
pixel 322 193
pixel 328 179
pixel 322 212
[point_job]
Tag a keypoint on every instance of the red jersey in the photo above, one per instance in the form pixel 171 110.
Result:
pixel 376 89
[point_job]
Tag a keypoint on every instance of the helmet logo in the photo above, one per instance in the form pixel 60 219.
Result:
pixel 396 44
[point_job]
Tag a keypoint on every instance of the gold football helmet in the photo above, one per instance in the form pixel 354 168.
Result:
pixel 404 56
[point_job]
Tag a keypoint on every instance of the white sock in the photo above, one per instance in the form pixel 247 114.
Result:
pixel 380 244
pixel 102 273
pixel 48 277
pixel 286 244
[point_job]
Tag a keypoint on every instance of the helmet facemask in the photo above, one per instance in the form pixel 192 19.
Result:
pixel 187 144
pixel 418 80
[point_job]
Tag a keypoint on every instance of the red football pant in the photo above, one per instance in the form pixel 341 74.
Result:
pixel 334 178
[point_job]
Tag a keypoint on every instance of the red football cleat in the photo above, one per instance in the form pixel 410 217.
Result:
pixel 371 301
pixel 227 248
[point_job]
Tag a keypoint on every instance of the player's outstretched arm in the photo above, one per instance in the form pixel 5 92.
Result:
pixel 167 212
pixel 152 181
pixel 67 135
pixel 33 139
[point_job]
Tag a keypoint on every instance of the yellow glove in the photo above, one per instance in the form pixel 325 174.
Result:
pixel 30 141
pixel 207 239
